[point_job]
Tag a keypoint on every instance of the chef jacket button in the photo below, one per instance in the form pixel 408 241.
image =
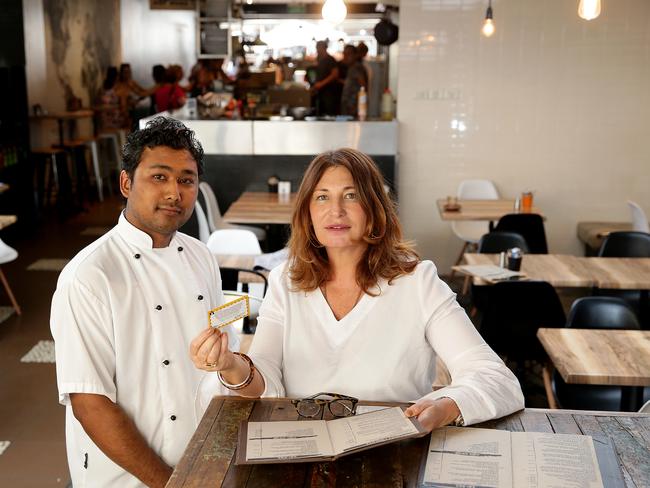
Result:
pixel 200 297
pixel 173 417
pixel 158 307
pixel 180 248
pixel 166 362
pixel 136 256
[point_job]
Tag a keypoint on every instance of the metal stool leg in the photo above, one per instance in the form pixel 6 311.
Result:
pixel 98 174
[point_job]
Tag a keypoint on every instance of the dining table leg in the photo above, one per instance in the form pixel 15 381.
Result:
pixel 631 398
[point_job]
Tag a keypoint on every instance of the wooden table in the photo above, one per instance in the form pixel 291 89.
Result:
pixel 602 357
pixel 60 117
pixel 592 234
pixel 480 209
pixel 7 220
pixel 254 207
pixel 208 458
pixel 571 271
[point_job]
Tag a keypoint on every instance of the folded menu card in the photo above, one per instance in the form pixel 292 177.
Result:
pixel 472 457
pixel 322 440
pixel 488 272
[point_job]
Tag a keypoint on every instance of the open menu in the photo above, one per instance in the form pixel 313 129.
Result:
pixel 322 440
pixel 488 272
pixel 471 457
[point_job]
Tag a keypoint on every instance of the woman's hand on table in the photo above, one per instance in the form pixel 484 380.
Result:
pixel 209 351
pixel 434 413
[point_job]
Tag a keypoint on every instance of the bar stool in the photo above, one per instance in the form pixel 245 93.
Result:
pixel 8 254
pixel 75 147
pixel 113 137
pixel 46 169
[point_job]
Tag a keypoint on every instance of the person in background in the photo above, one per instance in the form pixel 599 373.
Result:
pixel 362 51
pixel 129 93
pixel 171 96
pixel 123 315
pixel 324 89
pixel 356 78
pixel 111 116
pixel 355 311
pixel 158 73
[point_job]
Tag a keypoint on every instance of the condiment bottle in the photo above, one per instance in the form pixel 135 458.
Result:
pixel 362 104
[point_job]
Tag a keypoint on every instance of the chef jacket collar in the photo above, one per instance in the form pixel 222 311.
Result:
pixel 135 236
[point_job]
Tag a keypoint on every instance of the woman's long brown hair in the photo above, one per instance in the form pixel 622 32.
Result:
pixel 387 255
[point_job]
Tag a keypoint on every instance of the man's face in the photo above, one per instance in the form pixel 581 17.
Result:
pixel 162 193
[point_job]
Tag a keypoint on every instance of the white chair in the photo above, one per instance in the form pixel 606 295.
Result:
pixel 645 408
pixel 215 220
pixel 8 254
pixel 471 231
pixel 639 218
pixel 204 230
pixel 234 241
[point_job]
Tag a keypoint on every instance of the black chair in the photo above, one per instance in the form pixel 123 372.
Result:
pixel 492 243
pixel 593 313
pixel 531 228
pixel 514 312
pixel 628 245
pixel 230 279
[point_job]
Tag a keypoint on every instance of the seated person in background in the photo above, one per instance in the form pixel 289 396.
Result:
pixel 159 74
pixel 129 93
pixel 324 89
pixel 123 315
pixel 171 96
pixel 354 311
pixel 111 116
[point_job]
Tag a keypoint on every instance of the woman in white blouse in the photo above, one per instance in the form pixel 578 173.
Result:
pixel 354 311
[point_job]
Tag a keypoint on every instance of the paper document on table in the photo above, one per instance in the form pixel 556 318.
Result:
pixel 322 440
pixel 371 428
pixel 229 312
pixel 550 460
pixel 289 439
pixel 471 457
pixel 488 272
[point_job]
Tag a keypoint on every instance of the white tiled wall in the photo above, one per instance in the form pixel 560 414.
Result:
pixel 550 103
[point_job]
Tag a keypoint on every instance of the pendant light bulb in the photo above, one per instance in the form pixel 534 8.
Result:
pixel 589 9
pixel 488 24
pixel 334 11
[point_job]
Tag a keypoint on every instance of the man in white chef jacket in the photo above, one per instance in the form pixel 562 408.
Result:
pixel 123 315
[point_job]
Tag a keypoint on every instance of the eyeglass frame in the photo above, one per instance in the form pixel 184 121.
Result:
pixel 320 402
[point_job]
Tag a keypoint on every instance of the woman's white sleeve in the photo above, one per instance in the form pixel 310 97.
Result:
pixel 481 384
pixel 267 347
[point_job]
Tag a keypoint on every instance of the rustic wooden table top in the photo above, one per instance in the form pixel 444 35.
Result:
pixel 572 271
pixel 254 207
pixel 479 209
pixel 620 440
pixel 599 357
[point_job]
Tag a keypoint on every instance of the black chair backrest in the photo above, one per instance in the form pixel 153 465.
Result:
pixel 514 312
pixel 498 241
pixel 602 313
pixel 530 226
pixel 625 245
pixel 230 278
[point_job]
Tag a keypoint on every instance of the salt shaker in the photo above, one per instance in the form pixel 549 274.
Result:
pixel 517 206
pixel 514 259
pixel 502 259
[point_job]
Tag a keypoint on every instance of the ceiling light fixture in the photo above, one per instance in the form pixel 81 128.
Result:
pixel 488 25
pixel 334 11
pixel 589 9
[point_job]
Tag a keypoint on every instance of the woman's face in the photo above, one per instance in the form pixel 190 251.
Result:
pixel 335 209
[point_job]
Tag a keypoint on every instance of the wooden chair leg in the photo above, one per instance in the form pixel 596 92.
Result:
pixel 10 293
pixel 547 371
pixel 460 258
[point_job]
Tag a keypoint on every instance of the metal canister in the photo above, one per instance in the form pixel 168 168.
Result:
pixel 515 257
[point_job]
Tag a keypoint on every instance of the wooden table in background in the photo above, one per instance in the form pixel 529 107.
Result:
pixel 479 209
pixel 61 117
pixel 572 271
pixel 602 357
pixel 254 207
pixel 208 458
pixel 7 220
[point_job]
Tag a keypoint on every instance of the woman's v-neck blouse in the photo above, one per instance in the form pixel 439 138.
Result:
pixel 384 349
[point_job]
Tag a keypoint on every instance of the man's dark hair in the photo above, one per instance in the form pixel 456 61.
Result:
pixel 161 131
pixel 158 72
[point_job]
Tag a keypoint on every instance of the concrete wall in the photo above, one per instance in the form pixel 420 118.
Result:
pixel 550 103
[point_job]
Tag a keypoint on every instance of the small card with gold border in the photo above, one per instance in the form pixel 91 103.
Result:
pixel 229 312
